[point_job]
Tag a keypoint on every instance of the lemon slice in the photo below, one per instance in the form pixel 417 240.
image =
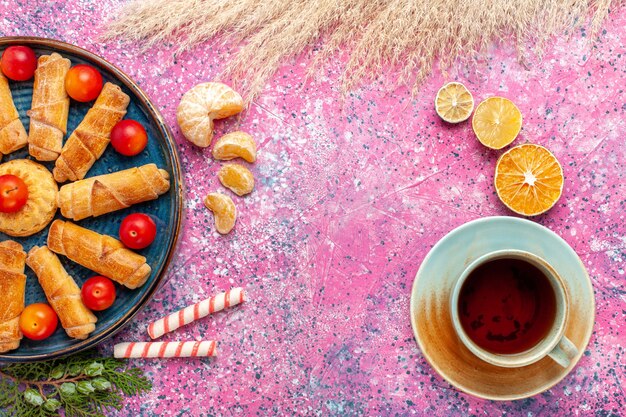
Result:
pixel 454 103
pixel 496 122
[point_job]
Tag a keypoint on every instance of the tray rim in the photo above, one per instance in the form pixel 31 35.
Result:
pixel 177 190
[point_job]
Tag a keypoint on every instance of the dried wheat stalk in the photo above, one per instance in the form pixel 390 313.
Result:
pixel 407 36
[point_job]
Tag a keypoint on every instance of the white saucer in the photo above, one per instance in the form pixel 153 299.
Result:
pixel 431 320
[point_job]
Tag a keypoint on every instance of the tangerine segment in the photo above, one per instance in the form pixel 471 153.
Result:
pixel 496 122
pixel 224 211
pixel 235 145
pixel 454 102
pixel 529 179
pixel 237 178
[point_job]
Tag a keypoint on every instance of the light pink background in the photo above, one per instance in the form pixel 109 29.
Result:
pixel 351 194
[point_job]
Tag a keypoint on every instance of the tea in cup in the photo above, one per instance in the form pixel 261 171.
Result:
pixel 509 308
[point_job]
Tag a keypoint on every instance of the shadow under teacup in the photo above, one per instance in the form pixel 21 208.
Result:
pixel 509 308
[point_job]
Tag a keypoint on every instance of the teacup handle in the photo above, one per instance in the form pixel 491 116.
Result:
pixel 564 352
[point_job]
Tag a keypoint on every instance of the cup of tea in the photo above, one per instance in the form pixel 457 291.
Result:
pixel 509 308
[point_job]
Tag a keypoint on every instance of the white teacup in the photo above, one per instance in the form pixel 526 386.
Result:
pixel 555 344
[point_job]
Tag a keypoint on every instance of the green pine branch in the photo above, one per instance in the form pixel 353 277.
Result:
pixel 82 385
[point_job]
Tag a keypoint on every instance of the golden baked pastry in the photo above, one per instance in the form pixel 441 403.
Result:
pixel 50 108
pixel 42 198
pixel 62 292
pixel 89 140
pixel 12 133
pixel 103 194
pixel 101 253
pixel 12 288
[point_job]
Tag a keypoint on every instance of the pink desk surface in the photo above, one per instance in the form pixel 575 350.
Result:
pixel 351 194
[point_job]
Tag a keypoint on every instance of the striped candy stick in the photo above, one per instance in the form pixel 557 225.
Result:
pixel 165 349
pixel 196 311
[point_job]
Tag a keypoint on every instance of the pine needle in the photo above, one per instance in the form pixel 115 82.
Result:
pixel 399 39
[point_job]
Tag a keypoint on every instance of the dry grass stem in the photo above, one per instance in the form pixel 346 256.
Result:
pixel 398 39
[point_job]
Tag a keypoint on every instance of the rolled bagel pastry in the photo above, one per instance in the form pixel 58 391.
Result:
pixel 12 133
pixel 100 253
pixel 50 108
pixel 12 290
pixel 110 192
pixel 62 293
pixel 88 141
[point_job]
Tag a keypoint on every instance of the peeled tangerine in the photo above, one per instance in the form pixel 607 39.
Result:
pixel 224 211
pixel 201 105
pixel 529 179
pixel 235 145
pixel 237 178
